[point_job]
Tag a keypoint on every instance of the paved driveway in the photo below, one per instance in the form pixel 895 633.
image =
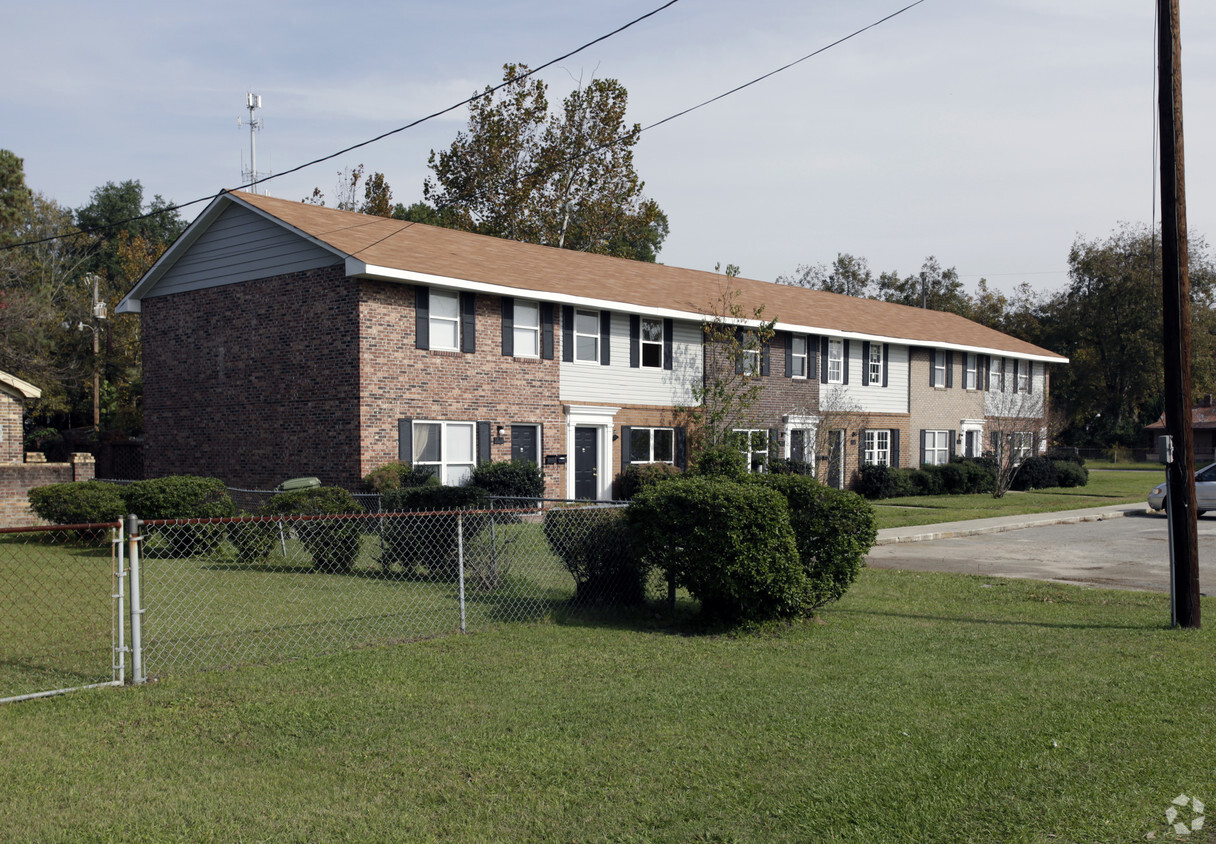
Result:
pixel 1131 552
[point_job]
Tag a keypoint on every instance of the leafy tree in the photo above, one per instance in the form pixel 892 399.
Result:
pixel 565 180
pixel 848 275
pixel 15 197
pixel 936 288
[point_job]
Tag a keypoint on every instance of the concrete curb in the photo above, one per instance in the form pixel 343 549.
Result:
pixel 977 527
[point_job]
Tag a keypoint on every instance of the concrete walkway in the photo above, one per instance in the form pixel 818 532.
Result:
pixel 1000 524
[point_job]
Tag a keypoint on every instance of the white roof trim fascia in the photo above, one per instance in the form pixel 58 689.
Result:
pixel 359 269
pixel 130 303
pixel 26 389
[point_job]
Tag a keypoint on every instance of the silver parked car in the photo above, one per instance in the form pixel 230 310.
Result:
pixel 1205 491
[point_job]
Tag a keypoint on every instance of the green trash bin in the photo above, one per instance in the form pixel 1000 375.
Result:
pixel 294 484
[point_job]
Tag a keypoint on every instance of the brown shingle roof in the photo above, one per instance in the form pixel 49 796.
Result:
pixel 417 248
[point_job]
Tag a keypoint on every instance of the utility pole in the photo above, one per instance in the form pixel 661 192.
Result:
pixel 1176 311
pixel 99 313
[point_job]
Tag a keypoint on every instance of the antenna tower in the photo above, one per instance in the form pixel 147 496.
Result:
pixel 253 102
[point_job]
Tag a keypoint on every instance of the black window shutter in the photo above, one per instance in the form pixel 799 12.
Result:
pixel 483 442
pixel 422 313
pixel 605 335
pixel 681 454
pixel 886 361
pixel 669 327
pixel 949 369
pixel 861 450
pixel 405 440
pixel 845 362
pixel 1005 379
pixel 950 449
pixel 1016 372
pixel 895 447
pixel 984 375
pixel 508 325
pixel 626 446
pixel 635 341
pixel 789 354
pixel 567 333
pixel 922 446
pixel 546 330
pixel 823 360
pixel 865 363
pixel 741 358
pixel 468 322
pixel 766 357
pixel 933 367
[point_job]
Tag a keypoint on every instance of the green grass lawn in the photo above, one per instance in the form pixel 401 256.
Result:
pixel 919 708
pixel 1104 488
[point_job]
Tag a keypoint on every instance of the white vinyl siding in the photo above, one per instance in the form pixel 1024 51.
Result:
pixel 871 398
pixel 621 384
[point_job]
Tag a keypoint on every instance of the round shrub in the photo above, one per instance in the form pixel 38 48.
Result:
pixel 594 545
pixel 876 482
pixel 720 461
pixel 730 544
pixel 253 540
pixel 398 475
pixel 640 475
pixel 427 545
pixel 834 529
pixel 333 543
pixel 510 479
pixel 181 497
pixel 84 503
pixel 979 474
pixel 1035 473
pixel 789 466
pixel 1071 474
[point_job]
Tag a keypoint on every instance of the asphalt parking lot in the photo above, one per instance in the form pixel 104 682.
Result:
pixel 1129 552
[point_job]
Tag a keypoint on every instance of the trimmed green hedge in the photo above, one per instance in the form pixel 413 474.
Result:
pixel 427 546
pixel 397 476
pixel 594 545
pixel 730 544
pixel 333 543
pixel 181 497
pixel 78 503
pixel 640 475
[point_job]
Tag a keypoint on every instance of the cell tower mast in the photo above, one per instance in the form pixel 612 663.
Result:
pixel 253 102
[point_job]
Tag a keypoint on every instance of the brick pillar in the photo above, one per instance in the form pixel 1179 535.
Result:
pixel 83 466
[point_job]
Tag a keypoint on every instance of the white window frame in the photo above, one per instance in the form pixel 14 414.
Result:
pixel 939 369
pixel 971 372
pixel 526 334
pixel 875 364
pixel 996 375
pixel 937 448
pixel 651 345
pixel 1023 384
pixel 877 447
pixel 442 325
pixel 451 468
pixel 835 360
pixel 800 360
pixel 1021 444
pixel 810 426
pixel 651 439
pixel 595 336
pixel 756 456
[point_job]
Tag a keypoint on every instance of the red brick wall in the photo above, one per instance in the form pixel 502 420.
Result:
pixel 11 433
pixel 255 382
pixel 17 479
pixel 398 380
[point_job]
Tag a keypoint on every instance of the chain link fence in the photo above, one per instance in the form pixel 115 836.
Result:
pixel 61 609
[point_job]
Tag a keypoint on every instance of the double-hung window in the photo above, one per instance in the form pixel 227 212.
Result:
pixel 937 448
pixel 939 369
pixel 652 343
pixel 652 445
pixel 798 356
pixel 444 320
pixel 448 447
pixel 996 375
pixel 835 360
pixel 878 447
pixel 970 372
pixel 587 336
pixel 874 364
pixel 1023 385
pixel 753 443
pixel 1022 442
pixel 526 329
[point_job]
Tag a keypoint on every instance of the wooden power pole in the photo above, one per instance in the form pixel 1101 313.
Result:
pixel 1175 286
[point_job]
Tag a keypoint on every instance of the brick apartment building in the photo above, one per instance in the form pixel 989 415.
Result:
pixel 284 339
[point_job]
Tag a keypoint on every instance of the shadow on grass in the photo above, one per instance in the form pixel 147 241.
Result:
pixel 1002 622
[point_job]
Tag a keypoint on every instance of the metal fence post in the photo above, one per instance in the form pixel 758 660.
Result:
pixel 137 611
pixel 118 538
pixel 460 564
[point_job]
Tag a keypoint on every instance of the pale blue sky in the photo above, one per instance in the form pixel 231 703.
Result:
pixel 987 133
